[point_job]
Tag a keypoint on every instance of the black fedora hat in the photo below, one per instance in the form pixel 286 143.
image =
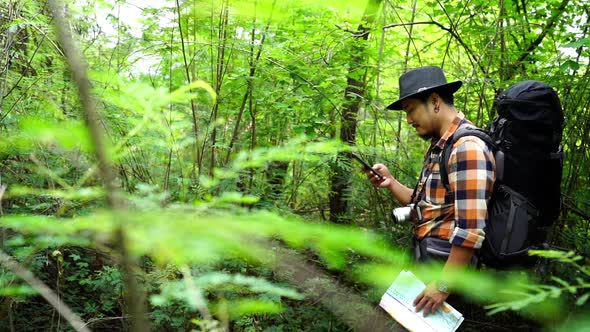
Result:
pixel 423 80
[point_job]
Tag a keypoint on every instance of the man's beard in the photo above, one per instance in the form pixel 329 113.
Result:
pixel 426 137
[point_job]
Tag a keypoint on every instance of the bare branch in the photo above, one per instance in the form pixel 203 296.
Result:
pixel 78 70
pixel 189 81
pixel 470 53
pixel 37 284
pixel 44 291
pixel 355 33
pixel 535 43
pixel 253 66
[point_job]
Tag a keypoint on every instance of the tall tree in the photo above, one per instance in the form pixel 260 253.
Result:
pixel 353 97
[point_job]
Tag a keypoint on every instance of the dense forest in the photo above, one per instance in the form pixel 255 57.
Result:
pixel 180 165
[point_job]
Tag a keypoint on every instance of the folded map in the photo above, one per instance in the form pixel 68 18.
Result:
pixel 398 302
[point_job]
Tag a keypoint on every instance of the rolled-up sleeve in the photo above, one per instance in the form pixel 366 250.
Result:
pixel 471 178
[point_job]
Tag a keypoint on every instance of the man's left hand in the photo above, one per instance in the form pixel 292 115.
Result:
pixel 430 299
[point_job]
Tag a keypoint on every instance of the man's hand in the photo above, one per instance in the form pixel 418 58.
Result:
pixel 384 182
pixel 430 299
pixel 402 193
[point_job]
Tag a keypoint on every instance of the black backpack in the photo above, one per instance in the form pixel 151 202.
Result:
pixel 526 141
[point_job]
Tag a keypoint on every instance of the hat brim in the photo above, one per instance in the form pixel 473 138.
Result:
pixel 449 87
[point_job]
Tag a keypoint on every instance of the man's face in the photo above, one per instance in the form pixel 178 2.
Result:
pixel 420 115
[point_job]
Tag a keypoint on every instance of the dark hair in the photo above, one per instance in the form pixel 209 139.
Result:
pixel 446 97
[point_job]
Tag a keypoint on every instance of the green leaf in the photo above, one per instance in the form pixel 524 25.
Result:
pixel 565 284
pixel 582 299
pixel 184 93
pixel 17 291
pixel 83 194
pixel 563 256
pixel 257 285
pixel 569 64
pixel 247 306
pixel 69 134
pixel 578 43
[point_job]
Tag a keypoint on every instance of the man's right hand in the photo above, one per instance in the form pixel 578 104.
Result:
pixel 402 193
pixel 387 180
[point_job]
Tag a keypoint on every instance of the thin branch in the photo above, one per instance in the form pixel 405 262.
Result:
pixel 311 84
pixel 22 95
pixel 410 39
pixel 471 54
pixel 196 292
pixel 253 66
pixel 409 32
pixel 28 65
pixel 535 43
pixel 189 80
pixel 575 210
pixel 103 319
pixel 39 286
pixel 78 70
pixel 354 33
pixel 44 291
pixel 453 24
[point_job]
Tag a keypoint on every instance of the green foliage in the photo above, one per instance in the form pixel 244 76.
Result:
pixel 223 153
pixel 8 289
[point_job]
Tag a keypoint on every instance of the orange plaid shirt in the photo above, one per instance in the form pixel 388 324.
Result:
pixel 458 216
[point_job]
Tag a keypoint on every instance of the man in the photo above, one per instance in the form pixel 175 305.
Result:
pixel 457 217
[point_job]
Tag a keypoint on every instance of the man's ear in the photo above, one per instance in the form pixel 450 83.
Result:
pixel 435 100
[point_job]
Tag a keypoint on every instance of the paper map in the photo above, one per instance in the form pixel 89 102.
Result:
pixel 398 302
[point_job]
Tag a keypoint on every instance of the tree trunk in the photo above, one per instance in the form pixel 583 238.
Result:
pixel 353 96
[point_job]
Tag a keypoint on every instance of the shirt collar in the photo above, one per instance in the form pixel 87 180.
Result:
pixel 450 131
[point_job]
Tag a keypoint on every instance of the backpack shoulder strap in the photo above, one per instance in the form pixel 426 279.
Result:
pixel 462 131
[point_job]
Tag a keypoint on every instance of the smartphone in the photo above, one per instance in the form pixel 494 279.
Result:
pixel 366 165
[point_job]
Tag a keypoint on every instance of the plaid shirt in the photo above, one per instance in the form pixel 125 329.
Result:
pixel 460 215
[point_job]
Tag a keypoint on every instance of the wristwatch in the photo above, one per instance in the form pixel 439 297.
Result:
pixel 442 286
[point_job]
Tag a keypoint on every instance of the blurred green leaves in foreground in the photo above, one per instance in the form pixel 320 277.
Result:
pixel 188 236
